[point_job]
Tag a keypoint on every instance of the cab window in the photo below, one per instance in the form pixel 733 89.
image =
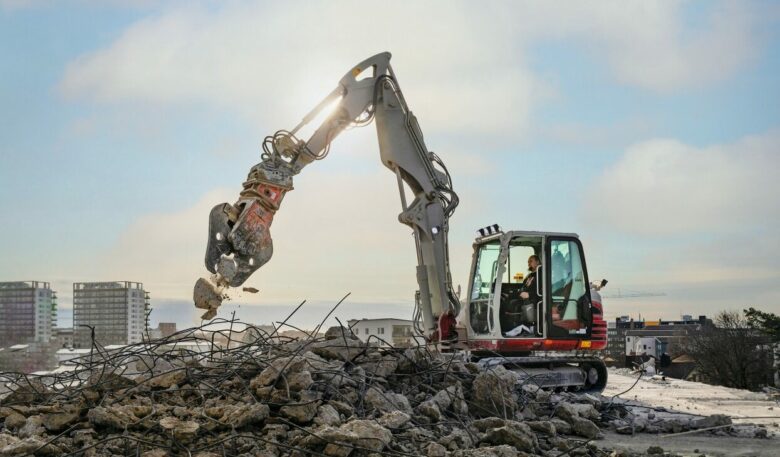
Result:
pixel 485 272
pixel 517 263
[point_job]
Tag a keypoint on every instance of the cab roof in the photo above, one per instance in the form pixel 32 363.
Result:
pixel 522 233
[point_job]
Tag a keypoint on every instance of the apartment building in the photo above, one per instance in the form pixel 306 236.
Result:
pixel 386 332
pixel 629 337
pixel 116 311
pixel 28 311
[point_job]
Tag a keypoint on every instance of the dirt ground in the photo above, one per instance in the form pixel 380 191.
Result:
pixel 694 398
pixel 697 398
pixel 696 445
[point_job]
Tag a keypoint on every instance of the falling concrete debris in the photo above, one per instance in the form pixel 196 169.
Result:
pixel 209 294
pixel 266 395
pixel 251 290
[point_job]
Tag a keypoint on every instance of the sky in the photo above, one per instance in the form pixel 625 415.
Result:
pixel 651 129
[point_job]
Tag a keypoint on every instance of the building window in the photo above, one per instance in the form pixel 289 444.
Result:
pixel 380 331
pixel 366 330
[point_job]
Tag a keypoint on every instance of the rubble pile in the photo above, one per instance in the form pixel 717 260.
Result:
pixel 333 396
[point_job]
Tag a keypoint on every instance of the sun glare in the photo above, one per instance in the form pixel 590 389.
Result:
pixel 318 118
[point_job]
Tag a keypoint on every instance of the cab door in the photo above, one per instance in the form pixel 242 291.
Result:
pixel 482 285
pixel 569 308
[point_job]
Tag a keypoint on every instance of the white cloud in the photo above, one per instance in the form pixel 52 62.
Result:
pixel 273 62
pixel 666 55
pixel 462 65
pixel 27 4
pixel 464 71
pixel 163 250
pixel 658 45
pixel 698 223
pixel 14 4
pixel 665 187
pixel 606 137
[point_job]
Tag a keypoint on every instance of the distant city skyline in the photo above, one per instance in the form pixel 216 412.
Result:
pixel 650 129
pixel 313 311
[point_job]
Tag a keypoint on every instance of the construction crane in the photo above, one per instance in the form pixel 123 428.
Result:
pixel 634 294
pixel 545 325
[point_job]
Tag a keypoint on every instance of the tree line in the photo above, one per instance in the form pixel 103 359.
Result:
pixel 738 350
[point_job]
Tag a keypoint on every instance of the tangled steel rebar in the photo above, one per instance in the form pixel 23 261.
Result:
pixel 229 388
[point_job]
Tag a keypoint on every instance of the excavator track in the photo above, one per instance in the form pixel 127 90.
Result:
pixel 575 374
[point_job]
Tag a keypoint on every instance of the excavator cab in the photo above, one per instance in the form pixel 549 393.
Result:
pixel 543 324
pixel 514 310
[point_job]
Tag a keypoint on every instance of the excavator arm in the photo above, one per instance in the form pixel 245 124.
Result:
pixel 239 235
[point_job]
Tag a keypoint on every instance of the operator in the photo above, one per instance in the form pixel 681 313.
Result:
pixel 528 291
pixel 521 315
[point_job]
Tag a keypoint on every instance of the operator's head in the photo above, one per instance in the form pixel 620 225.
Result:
pixel 533 262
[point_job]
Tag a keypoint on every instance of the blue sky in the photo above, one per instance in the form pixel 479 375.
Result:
pixel 649 129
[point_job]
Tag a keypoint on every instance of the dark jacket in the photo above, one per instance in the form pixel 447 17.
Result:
pixel 529 285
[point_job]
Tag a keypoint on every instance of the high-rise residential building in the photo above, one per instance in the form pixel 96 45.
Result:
pixel 116 310
pixel 28 311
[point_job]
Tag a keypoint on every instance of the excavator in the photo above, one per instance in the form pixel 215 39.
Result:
pixel 546 329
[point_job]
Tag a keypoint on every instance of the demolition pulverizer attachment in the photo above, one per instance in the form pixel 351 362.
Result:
pixel 239 243
pixel 239 240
